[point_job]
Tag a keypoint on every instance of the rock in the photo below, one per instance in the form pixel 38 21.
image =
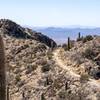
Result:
pixel 10 28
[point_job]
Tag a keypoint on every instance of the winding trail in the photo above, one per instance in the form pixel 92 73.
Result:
pixel 61 64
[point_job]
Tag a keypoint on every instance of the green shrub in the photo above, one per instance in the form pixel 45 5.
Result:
pixel 17 79
pixel 87 38
pixel 41 62
pixel 45 68
pixel 80 38
pixel 64 46
pixel 62 95
pixel 67 47
pixel 21 83
pixel 49 55
pixel 30 68
pixel 84 78
pixel 89 54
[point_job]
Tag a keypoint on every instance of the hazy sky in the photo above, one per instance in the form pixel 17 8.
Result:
pixel 52 12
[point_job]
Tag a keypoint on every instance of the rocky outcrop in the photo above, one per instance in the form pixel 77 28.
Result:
pixel 10 28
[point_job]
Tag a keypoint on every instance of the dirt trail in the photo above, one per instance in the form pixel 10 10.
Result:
pixel 61 64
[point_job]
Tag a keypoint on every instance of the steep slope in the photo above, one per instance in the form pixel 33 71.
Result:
pixel 12 29
pixel 26 56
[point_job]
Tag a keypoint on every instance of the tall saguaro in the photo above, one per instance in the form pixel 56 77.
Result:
pixel 68 44
pixel 2 71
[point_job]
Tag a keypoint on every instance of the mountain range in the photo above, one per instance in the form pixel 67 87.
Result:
pixel 60 34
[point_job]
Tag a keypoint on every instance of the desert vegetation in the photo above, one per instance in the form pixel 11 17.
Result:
pixel 38 69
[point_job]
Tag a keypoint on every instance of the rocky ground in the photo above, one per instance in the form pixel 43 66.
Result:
pixel 83 62
pixel 36 72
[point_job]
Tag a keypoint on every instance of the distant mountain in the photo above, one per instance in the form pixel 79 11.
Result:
pixel 60 34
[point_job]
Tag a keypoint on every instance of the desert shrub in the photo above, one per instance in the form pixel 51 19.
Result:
pixel 59 45
pixel 31 68
pixel 42 96
pixel 64 46
pixel 40 48
pixel 98 95
pixel 41 61
pixel 48 81
pixel 21 83
pixel 87 38
pixel 84 78
pixel 95 73
pixel 17 79
pixel 77 58
pixel 79 39
pixel 62 95
pixel 59 82
pixel 97 60
pixel 17 71
pixel 45 68
pixel 69 45
pixel 68 95
pixel 98 75
pixel 89 53
pixel 49 55
pixel 98 63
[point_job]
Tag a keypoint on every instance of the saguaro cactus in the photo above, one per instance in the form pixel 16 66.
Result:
pixel 79 35
pixel 2 72
pixel 79 38
pixel 69 44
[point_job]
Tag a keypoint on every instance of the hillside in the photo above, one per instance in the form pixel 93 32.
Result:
pixel 85 57
pixel 26 53
pixel 36 72
pixel 10 28
pixel 82 63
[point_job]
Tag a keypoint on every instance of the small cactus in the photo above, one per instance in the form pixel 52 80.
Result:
pixel 69 44
pixel 2 72
pixel 79 35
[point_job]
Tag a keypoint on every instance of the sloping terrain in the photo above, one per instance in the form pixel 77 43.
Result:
pixel 35 72
pixel 84 57
pixel 85 86
pixel 83 63
pixel 10 28
pixel 26 54
pixel 62 64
